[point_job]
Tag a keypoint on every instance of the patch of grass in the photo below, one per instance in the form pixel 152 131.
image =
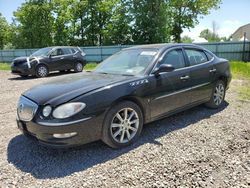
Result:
pixel 244 92
pixel 90 66
pixel 4 66
pixel 240 70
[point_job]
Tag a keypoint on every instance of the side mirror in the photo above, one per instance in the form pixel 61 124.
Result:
pixel 163 68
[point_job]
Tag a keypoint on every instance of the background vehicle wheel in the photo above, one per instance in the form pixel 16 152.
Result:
pixel 42 71
pixel 78 67
pixel 122 125
pixel 218 95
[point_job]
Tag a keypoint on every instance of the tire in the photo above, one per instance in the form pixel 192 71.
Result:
pixel 42 71
pixel 218 95
pixel 78 67
pixel 124 130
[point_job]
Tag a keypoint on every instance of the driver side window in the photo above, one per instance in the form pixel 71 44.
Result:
pixel 57 52
pixel 174 58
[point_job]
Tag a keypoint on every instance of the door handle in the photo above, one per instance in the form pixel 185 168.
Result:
pixel 184 77
pixel 212 70
pixel 62 58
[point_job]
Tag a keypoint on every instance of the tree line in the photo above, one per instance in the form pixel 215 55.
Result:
pixel 39 23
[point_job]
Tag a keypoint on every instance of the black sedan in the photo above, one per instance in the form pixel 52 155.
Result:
pixel 135 86
pixel 45 60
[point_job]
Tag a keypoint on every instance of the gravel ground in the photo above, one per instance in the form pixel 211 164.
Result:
pixel 195 148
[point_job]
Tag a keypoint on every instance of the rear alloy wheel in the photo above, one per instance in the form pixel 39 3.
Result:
pixel 218 95
pixel 78 67
pixel 42 71
pixel 123 125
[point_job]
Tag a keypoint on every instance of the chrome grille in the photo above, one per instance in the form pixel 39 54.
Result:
pixel 26 109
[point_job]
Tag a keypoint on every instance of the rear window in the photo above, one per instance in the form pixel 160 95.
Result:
pixel 67 51
pixel 196 57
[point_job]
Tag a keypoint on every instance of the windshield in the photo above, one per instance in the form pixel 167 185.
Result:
pixel 127 62
pixel 41 52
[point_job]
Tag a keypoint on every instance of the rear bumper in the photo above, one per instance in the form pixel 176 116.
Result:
pixel 88 130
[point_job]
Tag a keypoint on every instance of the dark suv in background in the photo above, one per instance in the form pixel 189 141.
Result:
pixel 45 60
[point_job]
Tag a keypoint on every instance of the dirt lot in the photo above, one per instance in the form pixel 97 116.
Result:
pixel 198 147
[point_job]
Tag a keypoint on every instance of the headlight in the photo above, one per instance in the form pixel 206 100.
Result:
pixel 68 110
pixel 46 111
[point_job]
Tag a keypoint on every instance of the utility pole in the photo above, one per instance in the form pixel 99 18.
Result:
pixel 244 47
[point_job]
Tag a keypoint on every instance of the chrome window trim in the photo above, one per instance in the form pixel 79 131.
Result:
pixel 181 91
pixel 183 68
pixel 63 123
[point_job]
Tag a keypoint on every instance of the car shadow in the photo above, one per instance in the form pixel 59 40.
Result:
pixel 43 163
pixel 52 74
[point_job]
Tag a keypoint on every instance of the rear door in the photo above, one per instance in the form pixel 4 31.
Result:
pixel 169 91
pixel 202 73
pixel 68 59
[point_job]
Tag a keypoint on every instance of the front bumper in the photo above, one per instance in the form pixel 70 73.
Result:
pixel 21 69
pixel 88 130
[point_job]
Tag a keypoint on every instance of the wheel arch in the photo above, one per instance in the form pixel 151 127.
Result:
pixel 134 100
pixel 41 63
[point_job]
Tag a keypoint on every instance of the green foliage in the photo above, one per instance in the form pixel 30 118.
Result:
pixel 186 39
pixel 150 20
pixel 34 23
pixel 40 23
pixel 4 29
pixel 185 14
pixel 210 36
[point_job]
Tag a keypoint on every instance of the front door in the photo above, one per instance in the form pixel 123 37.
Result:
pixel 170 91
pixel 56 60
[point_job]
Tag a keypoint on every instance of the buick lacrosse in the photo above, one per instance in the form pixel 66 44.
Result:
pixel 133 87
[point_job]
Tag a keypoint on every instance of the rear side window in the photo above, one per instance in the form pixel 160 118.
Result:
pixel 174 58
pixel 57 52
pixel 67 51
pixel 73 50
pixel 196 57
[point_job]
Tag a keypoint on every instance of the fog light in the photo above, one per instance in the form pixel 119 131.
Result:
pixel 64 135
pixel 46 111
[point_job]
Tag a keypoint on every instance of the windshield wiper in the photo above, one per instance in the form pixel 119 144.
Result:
pixel 127 75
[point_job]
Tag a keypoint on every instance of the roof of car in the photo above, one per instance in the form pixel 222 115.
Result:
pixel 162 46
pixel 62 47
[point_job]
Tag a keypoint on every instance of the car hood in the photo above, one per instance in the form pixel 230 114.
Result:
pixel 25 59
pixel 68 87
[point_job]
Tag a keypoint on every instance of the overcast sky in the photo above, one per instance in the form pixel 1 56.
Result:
pixel 231 15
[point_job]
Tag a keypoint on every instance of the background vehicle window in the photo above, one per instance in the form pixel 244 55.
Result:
pixel 57 52
pixel 174 58
pixel 66 51
pixel 209 56
pixel 196 57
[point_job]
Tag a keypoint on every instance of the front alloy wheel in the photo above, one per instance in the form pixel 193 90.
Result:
pixel 42 71
pixel 122 125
